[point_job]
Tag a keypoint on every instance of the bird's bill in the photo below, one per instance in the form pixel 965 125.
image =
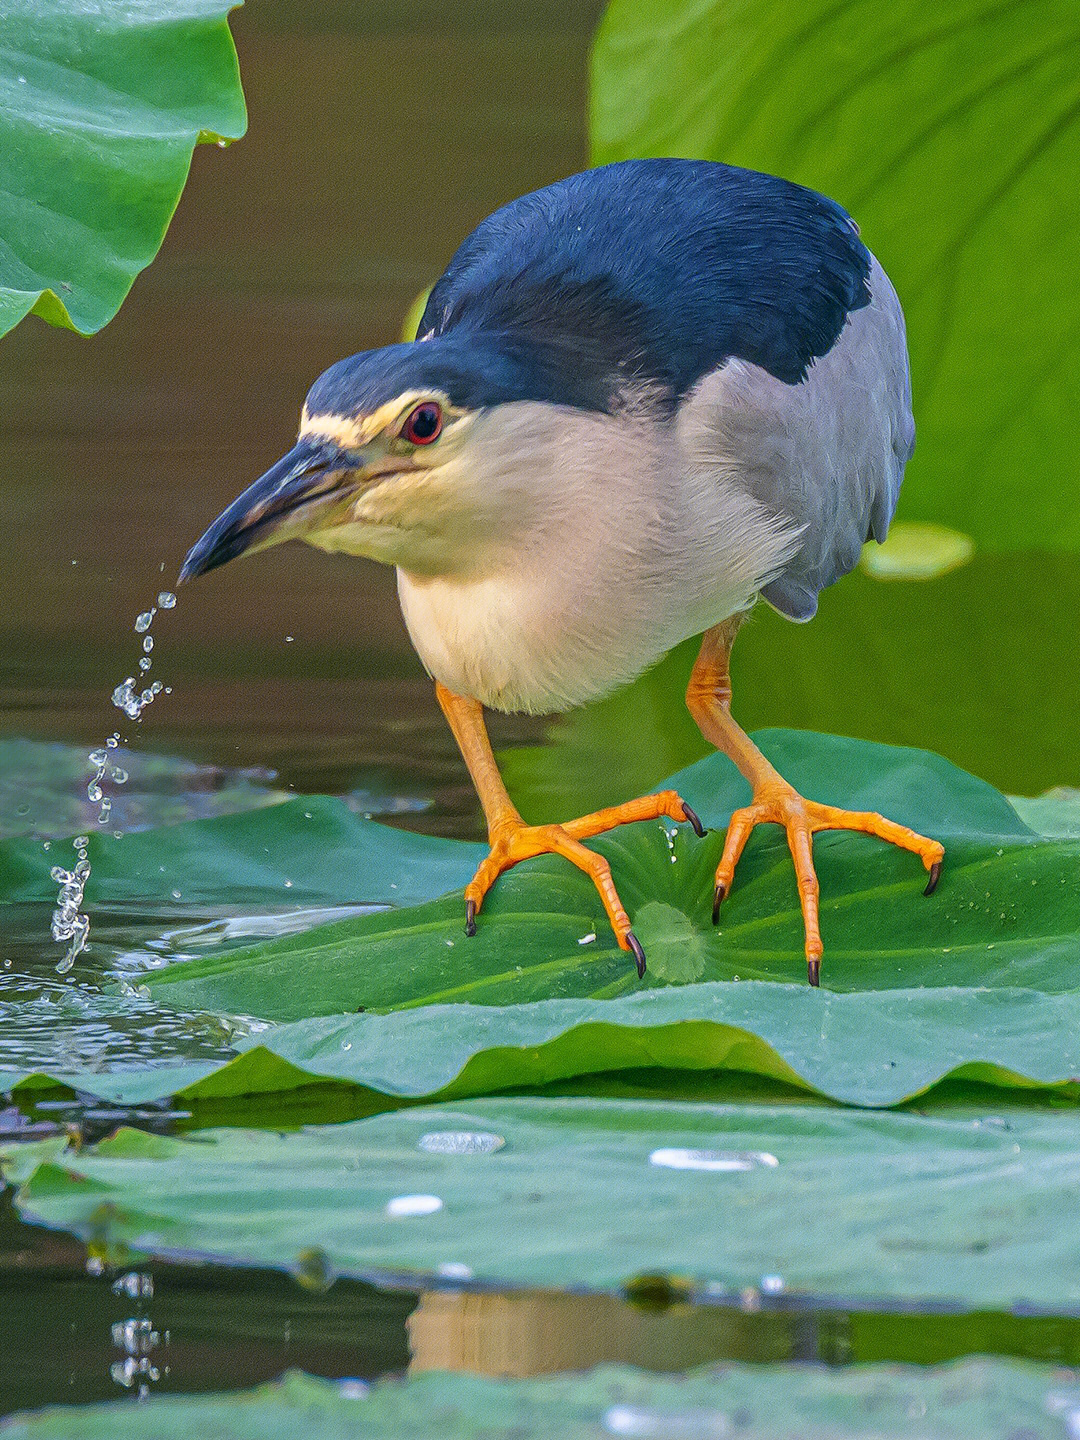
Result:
pixel 294 497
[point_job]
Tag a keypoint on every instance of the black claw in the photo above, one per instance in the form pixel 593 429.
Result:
pixel 638 952
pixel 718 896
pixel 470 918
pixel 935 876
pixel 813 972
pixel 691 815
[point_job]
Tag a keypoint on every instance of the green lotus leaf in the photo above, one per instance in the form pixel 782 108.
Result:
pixel 101 107
pixel 958 1208
pixel 984 1398
pixel 326 853
pixel 979 980
pixel 952 133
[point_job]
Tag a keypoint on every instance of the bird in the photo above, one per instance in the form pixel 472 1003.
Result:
pixel 640 400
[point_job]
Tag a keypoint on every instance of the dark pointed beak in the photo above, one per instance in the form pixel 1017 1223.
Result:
pixel 302 484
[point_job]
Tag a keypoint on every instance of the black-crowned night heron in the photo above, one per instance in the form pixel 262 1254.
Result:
pixel 639 399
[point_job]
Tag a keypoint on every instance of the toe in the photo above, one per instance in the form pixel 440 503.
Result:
pixel 738 832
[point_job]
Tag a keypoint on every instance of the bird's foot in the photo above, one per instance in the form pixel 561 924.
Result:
pixel 778 803
pixel 512 840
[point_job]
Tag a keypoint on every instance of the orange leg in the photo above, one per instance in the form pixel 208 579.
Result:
pixel 708 697
pixel 512 840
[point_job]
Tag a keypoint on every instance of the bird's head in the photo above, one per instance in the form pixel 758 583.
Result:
pixel 421 455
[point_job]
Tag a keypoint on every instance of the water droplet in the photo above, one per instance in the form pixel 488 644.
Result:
pixel 166 600
pixel 402 1205
pixel 99 757
pixel 145 663
pixel 176 894
pixel 81 841
pixel 719 1160
pixel 460 1142
pixel 119 776
pixel 587 939
pixel 454 1270
pixel 136 1336
pixel 144 621
pixel 647 1423
pixel 1064 1403
pixel 93 791
pixel 148 643
pixel 134 1285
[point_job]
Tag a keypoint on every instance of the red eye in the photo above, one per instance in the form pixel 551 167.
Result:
pixel 423 425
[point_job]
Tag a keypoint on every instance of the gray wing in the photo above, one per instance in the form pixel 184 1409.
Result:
pixel 827 453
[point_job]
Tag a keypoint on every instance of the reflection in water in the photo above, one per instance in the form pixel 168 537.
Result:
pixel 136 1337
pixel 542 1332
pixel 221 1328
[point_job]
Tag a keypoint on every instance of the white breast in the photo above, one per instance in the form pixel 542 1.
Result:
pixel 627 551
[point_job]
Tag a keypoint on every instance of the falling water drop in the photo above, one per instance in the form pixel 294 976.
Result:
pixel 68 921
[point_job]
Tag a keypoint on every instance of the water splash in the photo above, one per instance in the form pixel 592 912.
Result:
pixel 69 922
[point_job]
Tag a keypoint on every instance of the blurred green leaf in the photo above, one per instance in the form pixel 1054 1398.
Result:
pixel 958 1208
pixel 952 134
pixel 101 106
